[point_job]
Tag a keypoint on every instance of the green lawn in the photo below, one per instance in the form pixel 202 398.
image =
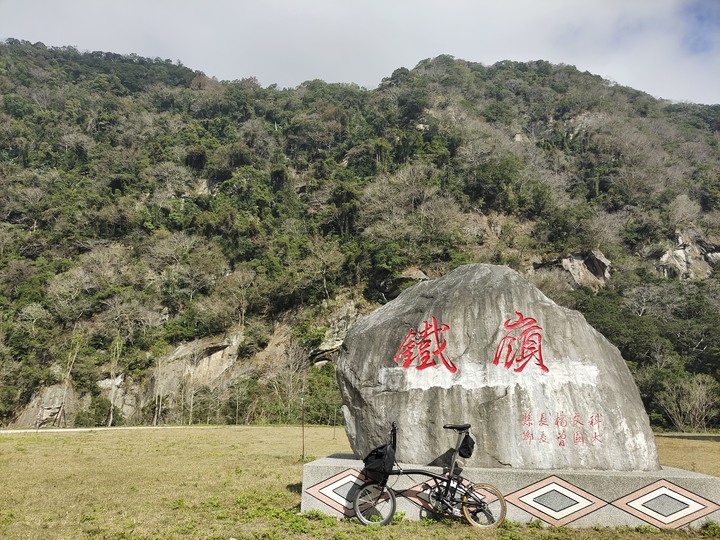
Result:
pixel 226 482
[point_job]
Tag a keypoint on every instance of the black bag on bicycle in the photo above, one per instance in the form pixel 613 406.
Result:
pixel 467 446
pixel 379 462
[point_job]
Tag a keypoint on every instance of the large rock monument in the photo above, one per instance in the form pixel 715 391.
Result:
pixel 481 345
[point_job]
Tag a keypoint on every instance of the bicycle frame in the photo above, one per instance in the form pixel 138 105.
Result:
pixel 452 495
pixel 445 480
pixel 449 489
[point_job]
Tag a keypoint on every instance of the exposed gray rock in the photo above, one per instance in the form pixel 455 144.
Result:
pixel 212 362
pixel 49 397
pixel 541 388
pixel 709 250
pixel 590 269
pixel 391 287
pixel 692 257
pixel 208 362
pixel 339 323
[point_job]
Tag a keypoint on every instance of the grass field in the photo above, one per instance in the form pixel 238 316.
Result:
pixel 226 482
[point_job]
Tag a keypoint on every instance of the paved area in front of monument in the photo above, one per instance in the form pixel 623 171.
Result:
pixel 670 498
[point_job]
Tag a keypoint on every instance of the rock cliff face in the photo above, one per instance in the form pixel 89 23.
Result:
pixel 691 257
pixel 591 269
pixel 541 388
pixel 213 362
pixel 51 399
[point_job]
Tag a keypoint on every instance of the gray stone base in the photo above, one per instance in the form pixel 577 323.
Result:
pixel 670 498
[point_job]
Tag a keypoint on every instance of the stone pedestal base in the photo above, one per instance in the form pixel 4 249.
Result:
pixel 669 498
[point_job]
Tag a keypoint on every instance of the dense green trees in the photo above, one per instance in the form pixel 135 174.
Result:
pixel 666 332
pixel 145 204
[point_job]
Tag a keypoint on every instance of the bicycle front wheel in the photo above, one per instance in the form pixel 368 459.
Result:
pixel 374 504
pixel 484 506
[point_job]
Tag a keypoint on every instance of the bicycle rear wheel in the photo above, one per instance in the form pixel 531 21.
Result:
pixel 484 506
pixel 374 504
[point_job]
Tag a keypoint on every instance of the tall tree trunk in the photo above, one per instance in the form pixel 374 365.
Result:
pixel 77 342
pixel 114 360
pixel 192 401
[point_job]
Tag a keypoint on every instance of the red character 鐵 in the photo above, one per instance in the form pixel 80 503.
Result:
pixel 425 346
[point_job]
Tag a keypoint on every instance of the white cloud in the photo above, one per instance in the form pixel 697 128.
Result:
pixel 668 48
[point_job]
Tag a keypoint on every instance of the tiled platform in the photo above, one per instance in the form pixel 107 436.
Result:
pixel 670 498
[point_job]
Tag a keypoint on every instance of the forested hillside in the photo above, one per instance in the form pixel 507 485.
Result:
pixel 144 205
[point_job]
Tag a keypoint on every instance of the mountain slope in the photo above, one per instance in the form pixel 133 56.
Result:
pixel 146 206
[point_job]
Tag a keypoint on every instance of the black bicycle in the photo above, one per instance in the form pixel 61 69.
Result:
pixel 450 495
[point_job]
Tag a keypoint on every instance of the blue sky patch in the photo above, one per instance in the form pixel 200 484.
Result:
pixel 703 26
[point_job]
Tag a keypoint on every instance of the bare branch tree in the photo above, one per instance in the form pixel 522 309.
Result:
pixel 288 381
pixel 691 403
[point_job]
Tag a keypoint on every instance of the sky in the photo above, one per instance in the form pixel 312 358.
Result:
pixel 667 48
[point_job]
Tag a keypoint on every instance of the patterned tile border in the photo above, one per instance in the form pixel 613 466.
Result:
pixel 419 495
pixel 337 491
pixel 555 501
pixel 666 505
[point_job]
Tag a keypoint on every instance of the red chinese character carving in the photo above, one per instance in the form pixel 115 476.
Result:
pixel 560 420
pixel 526 419
pixel 521 344
pixel 595 420
pixel 576 420
pixel 561 438
pixel 543 438
pixel 596 438
pixel 425 346
pixel 579 437
pixel 543 420
pixel 528 436
pixel 406 352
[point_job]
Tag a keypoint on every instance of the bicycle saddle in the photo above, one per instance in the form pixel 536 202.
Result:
pixel 457 427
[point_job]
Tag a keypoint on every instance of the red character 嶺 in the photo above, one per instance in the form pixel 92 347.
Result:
pixel 522 343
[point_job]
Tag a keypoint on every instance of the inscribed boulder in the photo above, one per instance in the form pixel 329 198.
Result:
pixel 481 345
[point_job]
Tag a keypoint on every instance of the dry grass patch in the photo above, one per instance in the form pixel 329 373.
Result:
pixel 692 455
pixel 165 483
pixel 205 483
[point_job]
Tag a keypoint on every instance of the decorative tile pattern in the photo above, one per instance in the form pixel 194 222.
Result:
pixel 338 491
pixel 555 501
pixel 552 500
pixel 419 494
pixel 666 505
